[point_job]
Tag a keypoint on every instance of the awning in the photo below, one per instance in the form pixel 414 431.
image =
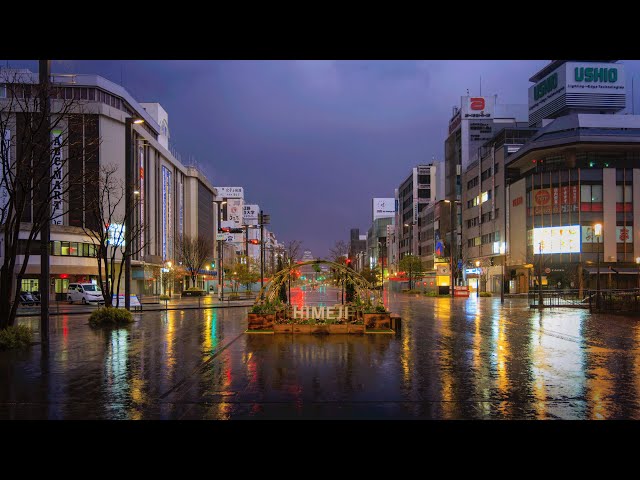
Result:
pixel 606 270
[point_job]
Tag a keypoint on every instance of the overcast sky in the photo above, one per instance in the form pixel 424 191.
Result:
pixel 312 141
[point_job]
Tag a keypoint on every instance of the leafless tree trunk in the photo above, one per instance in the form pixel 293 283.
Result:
pixel 107 210
pixel 30 149
pixel 339 250
pixel 194 252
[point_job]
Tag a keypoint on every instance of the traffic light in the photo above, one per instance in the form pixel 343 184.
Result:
pixel 213 264
pixel 348 261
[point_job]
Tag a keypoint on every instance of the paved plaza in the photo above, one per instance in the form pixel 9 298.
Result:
pixel 453 359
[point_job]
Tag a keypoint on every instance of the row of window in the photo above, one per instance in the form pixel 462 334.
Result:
pixel 475 221
pixel 484 239
pixel 61 248
pixel 483 197
pixel 473 183
pixel 76 93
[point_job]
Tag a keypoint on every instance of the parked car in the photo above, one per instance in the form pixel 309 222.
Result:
pixel 26 298
pixel 85 293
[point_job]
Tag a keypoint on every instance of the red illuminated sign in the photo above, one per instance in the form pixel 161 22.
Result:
pixel 517 201
pixel 476 103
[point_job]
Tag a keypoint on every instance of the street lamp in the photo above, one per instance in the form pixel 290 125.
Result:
pixel 597 230
pixel 220 253
pixel 638 263
pixel 128 204
pixel 478 282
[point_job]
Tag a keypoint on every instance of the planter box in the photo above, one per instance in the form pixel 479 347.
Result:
pixel 320 329
pixel 377 320
pixel 336 328
pixel 282 328
pixel 297 328
pixel 194 293
pixel 359 329
pixel 259 321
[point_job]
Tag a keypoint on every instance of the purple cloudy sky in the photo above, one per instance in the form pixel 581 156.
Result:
pixel 312 141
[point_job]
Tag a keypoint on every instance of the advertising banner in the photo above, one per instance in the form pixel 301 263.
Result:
pixel 6 157
pixel 564 239
pixel 250 214
pixel 57 174
pixel 234 211
pixel 230 192
pixel 477 107
pixel 383 208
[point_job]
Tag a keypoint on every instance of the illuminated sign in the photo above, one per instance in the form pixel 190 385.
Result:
pixel 517 201
pixel 230 192
pixel 564 239
pixel 115 235
pixel 326 313
pixel 476 103
pixel 167 220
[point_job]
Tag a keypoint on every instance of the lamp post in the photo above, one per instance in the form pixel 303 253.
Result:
pixel 638 263
pixel 219 203
pixel 503 252
pixel 597 230
pixel 128 205
pixel 263 220
pixel 478 289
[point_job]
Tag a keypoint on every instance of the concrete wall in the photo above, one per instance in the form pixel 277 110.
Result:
pixel 517 241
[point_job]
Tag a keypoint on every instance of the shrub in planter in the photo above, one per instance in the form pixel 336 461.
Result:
pixel 431 294
pixel 485 294
pixel 17 336
pixel 110 316
pixel 165 297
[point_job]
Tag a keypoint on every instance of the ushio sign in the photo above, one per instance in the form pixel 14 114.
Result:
pixel 320 313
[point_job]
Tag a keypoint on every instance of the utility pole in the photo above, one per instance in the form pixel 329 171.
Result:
pixel 45 232
pixel 540 302
pixel 264 220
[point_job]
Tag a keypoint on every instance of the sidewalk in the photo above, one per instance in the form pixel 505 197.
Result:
pixel 176 303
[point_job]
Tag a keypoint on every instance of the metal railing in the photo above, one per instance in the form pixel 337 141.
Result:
pixel 559 298
pixel 618 300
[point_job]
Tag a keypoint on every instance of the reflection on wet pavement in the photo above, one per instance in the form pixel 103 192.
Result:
pixel 453 359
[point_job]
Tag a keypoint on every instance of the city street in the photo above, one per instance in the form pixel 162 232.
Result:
pixel 453 359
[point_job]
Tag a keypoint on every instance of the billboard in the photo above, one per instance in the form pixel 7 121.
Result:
pixel 564 239
pixel 230 192
pixel 250 214
pixel 384 207
pixel 578 84
pixel 167 214
pixel 5 156
pixel 563 199
pixel 477 107
pixel 235 211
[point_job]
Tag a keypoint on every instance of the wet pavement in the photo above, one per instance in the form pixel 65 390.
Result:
pixel 453 359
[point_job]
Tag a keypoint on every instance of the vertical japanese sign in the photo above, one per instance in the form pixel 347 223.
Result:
pixel 142 219
pixel 167 219
pixel 235 211
pixel 5 155
pixel 57 209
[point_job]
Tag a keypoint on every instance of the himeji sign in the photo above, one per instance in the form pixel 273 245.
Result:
pixel 57 209
pixel 321 313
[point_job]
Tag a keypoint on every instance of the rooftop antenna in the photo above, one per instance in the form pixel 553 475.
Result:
pixel 467 91
pixel 480 85
pixel 632 102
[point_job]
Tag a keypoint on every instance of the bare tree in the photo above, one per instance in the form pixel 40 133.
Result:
pixel 338 251
pixel 292 251
pixel 105 207
pixel 194 252
pixel 33 147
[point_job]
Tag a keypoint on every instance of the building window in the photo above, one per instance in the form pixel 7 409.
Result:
pixel 56 248
pixel 65 248
pixel 92 94
pixel 3 91
pixel 73 249
pixel 591 198
pixel 472 183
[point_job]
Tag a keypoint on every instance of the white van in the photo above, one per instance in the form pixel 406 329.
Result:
pixel 85 293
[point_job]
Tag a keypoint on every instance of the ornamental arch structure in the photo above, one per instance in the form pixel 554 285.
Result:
pixel 269 292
